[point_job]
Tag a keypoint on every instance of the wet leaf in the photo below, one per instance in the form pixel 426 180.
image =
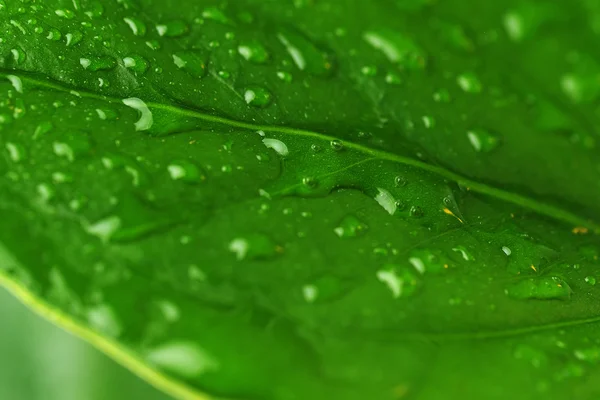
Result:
pixel 309 199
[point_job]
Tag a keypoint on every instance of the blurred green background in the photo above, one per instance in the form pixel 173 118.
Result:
pixel 39 361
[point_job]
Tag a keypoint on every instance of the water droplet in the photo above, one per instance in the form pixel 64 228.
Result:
pixel 590 280
pixel 103 319
pixel 337 145
pixel 185 171
pixel 137 26
pixel 257 96
pixel 350 226
pixel 393 79
pixel 402 284
pixel 193 62
pixel 426 260
pixel 466 255
pixel 506 250
pixel 416 212
pixel 545 288
pixel 369 70
pixel 53 34
pixel 441 96
pixel 145 122
pixel 397 48
pixel 590 354
pixel 277 145
pixel 253 51
pixel 103 63
pixel 310 182
pixel 482 141
pixel 310 293
pixel 428 121
pixel 172 29
pixel 136 63
pixel 104 229
pixel 284 76
pixel 469 83
pixel 73 38
pixel 16 152
pixel 195 273
pixel 386 200
pixel 513 23
pixel 16 83
pixel 400 181
pixel 255 246
pixel 305 54
pixel 214 14
pixel 186 359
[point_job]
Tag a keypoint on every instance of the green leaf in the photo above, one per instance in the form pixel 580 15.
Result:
pixel 310 199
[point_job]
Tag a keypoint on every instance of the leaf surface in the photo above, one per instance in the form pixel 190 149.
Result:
pixel 309 199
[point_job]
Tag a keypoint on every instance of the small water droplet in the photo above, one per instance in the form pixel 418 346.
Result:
pixel 255 246
pixel 185 171
pixel 136 25
pixel 416 212
pixel 469 83
pixel 103 319
pixel 103 63
pixel 482 140
pixel 310 293
pixel 193 62
pixel 350 226
pixel 172 29
pixel 253 51
pixel 337 145
pixel 590 280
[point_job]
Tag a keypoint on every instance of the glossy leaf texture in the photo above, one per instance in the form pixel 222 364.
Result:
pixel 310 199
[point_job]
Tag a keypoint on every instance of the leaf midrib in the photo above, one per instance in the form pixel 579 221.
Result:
pixel 537 206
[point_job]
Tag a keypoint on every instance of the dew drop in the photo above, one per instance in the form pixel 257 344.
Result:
pixel 401 284
pixel 104 229
pixel 16 82
pixel 192 62
pixel 103 63
pixel 145 122
pixel 185 171
pixel 590 280
pixel 482 141
pixel 172 29
pixel 350 226
pixel 252 247
pixel 337 145
pixel 183 358
pixel 103 319
pixel 397 48
pixel 386 200
pixel 277 145
pixel 253 51
pixel 137 26
pixel 136 63
pixel 257 96
pixel 310 293
pixel 469 83
pixel 73 38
